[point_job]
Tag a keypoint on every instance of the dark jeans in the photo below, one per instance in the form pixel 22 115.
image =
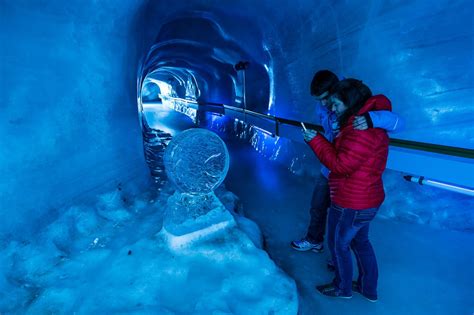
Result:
pixel 349 229
pixel 320 203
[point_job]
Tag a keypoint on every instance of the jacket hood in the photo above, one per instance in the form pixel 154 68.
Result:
pixel 376 102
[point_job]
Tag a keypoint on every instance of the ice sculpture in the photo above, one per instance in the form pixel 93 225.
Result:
pixel 196 162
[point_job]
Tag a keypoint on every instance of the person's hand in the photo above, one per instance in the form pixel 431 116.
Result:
pixel 309 134
pixel 360 123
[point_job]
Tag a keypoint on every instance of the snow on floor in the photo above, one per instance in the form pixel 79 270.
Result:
pixel 422 270
pixel 109 258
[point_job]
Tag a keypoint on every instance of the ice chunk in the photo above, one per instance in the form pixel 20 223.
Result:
pixel 192 217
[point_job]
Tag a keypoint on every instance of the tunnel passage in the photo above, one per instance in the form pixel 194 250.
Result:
pixel 193 60
pixel 196 57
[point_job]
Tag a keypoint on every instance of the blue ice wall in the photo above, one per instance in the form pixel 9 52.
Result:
pixel 69 123
pixel 418 53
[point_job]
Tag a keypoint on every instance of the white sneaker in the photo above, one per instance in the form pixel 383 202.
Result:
pixel 305 245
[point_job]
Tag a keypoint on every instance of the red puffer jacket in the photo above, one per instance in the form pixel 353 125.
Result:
pixel 356 160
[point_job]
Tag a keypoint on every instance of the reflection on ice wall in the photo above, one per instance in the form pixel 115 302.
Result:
pixel 69 123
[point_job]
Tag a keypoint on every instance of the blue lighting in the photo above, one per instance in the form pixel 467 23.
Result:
pixel 93 93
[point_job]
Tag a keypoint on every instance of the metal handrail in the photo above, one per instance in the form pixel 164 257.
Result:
pixel 408 144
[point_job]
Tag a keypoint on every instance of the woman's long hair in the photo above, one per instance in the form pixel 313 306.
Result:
pixel 353 93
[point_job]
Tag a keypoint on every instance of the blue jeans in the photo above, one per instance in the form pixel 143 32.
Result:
pixel 320 203
pixel 349 229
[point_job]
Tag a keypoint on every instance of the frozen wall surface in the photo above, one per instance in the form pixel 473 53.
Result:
pixel 69 125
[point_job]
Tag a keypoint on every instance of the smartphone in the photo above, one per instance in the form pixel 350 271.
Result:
pixel 304 127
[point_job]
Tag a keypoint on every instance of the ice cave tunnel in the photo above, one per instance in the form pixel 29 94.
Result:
pixel 153 160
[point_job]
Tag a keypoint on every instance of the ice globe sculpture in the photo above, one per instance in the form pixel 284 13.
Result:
pixel 196 162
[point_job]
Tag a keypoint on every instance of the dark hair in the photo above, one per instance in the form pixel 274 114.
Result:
pixel 353 93
pixel 322 82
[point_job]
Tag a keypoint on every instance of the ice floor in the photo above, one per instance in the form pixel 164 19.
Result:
pixel 422 270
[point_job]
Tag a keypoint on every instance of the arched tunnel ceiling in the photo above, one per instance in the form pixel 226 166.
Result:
pixel 196 42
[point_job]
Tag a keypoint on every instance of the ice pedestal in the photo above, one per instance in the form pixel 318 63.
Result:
pixel 196 162
pixel 190 218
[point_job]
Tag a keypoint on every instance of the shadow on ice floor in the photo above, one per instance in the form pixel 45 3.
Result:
pixel 422 270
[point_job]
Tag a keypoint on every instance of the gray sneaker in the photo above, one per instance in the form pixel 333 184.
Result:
pixel 356 288
pixel 305 245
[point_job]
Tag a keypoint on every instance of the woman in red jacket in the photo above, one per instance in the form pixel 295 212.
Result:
pixel 356 159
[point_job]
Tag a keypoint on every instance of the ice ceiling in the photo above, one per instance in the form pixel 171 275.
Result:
pixel 193 58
